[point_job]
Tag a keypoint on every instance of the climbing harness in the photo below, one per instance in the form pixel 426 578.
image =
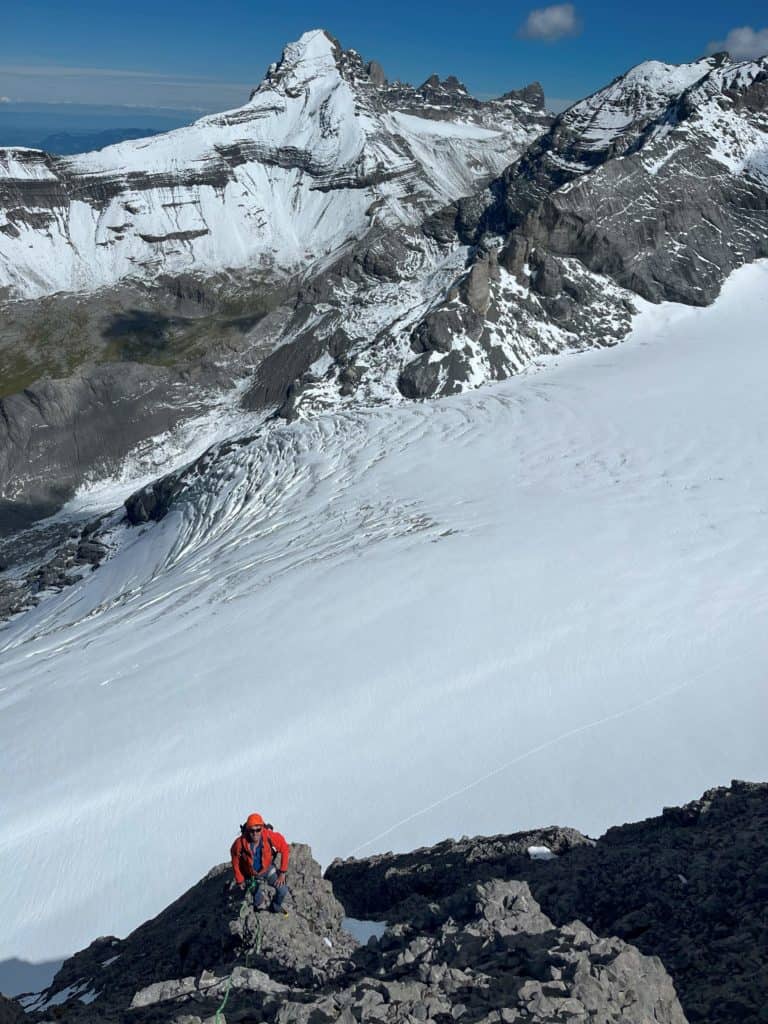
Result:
pixel 255 946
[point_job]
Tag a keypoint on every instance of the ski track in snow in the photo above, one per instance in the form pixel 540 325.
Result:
pixel 541 602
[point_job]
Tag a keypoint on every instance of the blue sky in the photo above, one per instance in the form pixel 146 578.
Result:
pixel 205 56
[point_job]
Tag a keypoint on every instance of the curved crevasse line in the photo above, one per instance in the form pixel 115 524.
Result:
pixel 259 509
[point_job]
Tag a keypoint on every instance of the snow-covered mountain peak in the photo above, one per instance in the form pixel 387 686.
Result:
pixel 313 55
pixel 632 100
pixel 324 149
pixel 655 78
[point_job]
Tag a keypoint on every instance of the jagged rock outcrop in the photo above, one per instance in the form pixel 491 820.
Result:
pixel 488 954
pixel 690 887
pixel 10 1011
pixel 373 887
pixel 484 953
pixel 179 963
pixel 655 186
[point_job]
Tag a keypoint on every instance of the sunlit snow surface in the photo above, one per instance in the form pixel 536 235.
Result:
pixel 556 586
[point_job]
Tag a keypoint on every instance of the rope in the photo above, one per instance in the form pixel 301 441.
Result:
pixel 255 947
pixel 577 731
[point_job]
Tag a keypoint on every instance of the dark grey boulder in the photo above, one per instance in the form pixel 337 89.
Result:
pixel 547 279
pixel 153 502
pixel 11 1011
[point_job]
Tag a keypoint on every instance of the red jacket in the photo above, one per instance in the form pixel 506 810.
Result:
pixel 242 858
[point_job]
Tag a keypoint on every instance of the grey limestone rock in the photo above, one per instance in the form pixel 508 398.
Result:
pixel 532 94
pixel 56 430
pixel 653 185
pixel 477 287
pixel 547 279
pixel 181 961
pixel 491 954
pixel 483 951
pixel 373 887
pixel 689 887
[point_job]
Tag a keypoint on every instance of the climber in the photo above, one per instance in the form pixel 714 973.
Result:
pixel 254 856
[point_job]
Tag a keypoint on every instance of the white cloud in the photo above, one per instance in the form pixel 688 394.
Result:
pixel 551 23
pixel 5 99
pixel 742 43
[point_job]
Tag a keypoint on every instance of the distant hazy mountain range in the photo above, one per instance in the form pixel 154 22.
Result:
pixel 67 128
pixel 69 143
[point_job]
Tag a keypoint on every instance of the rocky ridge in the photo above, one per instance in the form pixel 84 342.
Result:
pixel 690 886
pixel 656 186
pixel 483 953
pixel 661 920
pixel 653 189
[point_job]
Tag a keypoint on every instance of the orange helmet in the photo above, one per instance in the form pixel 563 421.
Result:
pixel 253 819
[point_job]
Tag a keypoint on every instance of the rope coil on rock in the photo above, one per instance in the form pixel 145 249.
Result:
pixel 255 947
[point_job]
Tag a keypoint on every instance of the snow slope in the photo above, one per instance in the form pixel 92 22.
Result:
pixel 638 96
pixel 542 602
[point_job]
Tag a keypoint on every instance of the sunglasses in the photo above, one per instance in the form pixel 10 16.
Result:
pixel 256 829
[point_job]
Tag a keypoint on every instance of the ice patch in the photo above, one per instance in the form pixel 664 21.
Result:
pixel 363 930
pixel 541 853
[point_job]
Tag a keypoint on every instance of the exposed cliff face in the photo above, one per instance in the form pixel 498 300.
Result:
pixel 323 150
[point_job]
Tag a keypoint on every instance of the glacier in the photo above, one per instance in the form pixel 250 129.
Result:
pixel 539 602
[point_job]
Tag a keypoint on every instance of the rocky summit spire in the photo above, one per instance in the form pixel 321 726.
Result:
pixel 312 55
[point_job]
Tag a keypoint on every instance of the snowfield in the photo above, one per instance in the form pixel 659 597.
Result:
pixel 541 602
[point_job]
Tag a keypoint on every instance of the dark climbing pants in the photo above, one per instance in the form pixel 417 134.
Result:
pixel 260 897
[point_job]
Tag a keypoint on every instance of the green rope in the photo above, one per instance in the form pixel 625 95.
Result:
pixel 255 946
